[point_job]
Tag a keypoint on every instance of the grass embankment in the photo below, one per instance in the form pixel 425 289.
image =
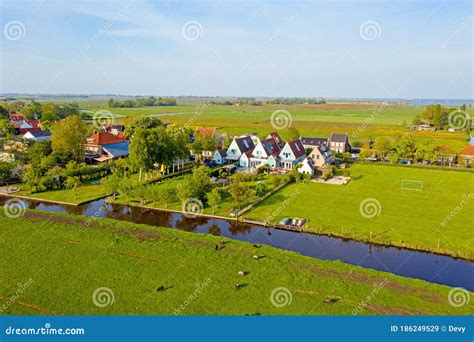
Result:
pixel 63 261
pixel 420 219
pixel 84 193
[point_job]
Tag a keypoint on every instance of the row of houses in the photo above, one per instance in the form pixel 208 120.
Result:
pixel 248 151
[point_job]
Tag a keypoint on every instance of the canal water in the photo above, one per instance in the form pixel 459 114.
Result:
pixel 407 263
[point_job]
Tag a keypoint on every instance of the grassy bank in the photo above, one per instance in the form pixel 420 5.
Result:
pixel 437 218
pixel 63 259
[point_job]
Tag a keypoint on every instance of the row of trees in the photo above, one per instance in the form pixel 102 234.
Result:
pixel 142 102
pixel 277 101
pixel 404 148
pixel 439 116
pixel 152 147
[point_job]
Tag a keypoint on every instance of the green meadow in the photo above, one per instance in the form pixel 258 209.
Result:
pixel 410 207
pixel 360 121
pixel 66 265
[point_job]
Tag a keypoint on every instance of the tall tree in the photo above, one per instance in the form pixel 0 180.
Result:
pixel 292 133
pixel 32 111
pixel 68 138
pixel 140 122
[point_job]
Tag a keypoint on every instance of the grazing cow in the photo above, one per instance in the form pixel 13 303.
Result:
pixel 241 273
pixel 160 288
pixel 238 286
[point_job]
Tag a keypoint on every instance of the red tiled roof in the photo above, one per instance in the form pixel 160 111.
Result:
pixel 16 117
pixel 104 138
pixel 467 151
pixel 32 129
pixel 297 148
pixel 277 138
pixel 34 123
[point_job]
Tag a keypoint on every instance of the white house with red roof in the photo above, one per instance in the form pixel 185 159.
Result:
pixel 291 154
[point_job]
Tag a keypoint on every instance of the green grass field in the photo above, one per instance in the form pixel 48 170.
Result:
pixel 82 194
pixel 362 120
pixel 441 211
pixel 59 261
pixel 225 208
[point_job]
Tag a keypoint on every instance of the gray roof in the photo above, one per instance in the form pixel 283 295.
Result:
pixel 117 149
pixel 40 134
pixel 245 144
pixel 313 141
pixel 222 152
pixel 341 138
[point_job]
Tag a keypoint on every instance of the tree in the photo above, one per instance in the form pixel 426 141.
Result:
pixel 241 193
pixel 200 182
pixel 151 146
pixel 203 142
pixel 3 113
pixel 141 122
pixel 38 150
pixel 381 146
pixel 32 111
pixel 416 120
pixel 292 133
pixel 110 103
pixel 73 183
pixel 183 190
pixel 214 199
pixel 6 129
pixel 31 177
pixel 112 183
pixel 68 138
pixel 168 194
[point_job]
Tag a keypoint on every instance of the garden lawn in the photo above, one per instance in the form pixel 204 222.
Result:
pixel 441 213
pixel 225 208
pixel 63 261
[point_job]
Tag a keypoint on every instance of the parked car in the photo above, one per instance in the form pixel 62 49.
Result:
pixel 405 162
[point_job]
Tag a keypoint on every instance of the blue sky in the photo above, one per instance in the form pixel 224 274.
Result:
pixel 396 49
